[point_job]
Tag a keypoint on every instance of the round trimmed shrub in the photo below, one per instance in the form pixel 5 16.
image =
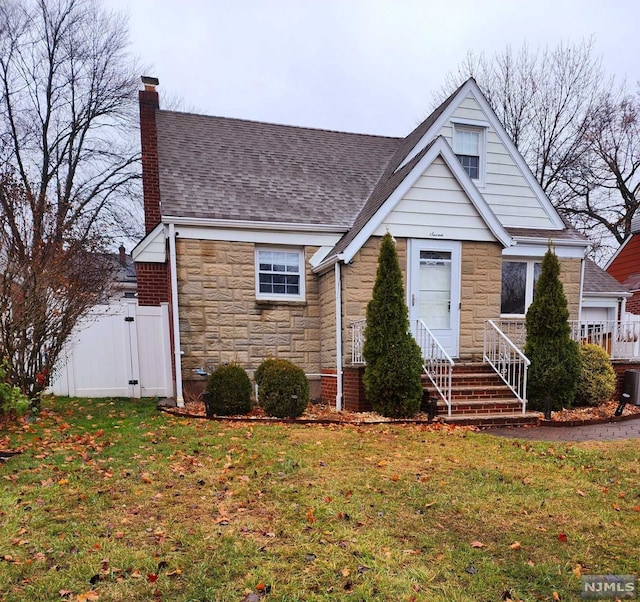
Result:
pixel 229 391
pixel 259 373
pixel 283 388
pixel 597 382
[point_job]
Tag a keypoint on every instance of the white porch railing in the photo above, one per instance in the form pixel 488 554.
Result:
pixel 621 339
pixel 437 364
pixel 357 341
pixel 507 360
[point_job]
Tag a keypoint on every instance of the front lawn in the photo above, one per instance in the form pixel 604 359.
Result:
pixel 111 500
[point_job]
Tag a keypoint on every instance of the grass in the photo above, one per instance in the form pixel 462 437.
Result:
pixel 111 500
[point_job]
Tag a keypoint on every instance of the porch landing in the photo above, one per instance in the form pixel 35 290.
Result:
pixel 480 397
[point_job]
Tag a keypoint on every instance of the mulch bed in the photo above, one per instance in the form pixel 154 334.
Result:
pixel 315 413
pixel 325 414
pixel 592 415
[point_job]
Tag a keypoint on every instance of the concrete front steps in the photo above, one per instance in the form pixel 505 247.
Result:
pixel 479 397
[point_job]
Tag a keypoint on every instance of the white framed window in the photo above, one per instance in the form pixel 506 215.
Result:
pixel 469 147
pixel 519 278
pixel 279 273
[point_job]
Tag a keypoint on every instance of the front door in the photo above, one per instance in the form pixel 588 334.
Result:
pixel 435 289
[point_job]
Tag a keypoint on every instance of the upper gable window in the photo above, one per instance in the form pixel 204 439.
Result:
pixel 468 144
pixel 280 274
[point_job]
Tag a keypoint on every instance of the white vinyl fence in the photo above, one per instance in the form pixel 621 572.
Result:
pixel 118 350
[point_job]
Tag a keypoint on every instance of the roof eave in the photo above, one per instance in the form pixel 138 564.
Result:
pixel 253 225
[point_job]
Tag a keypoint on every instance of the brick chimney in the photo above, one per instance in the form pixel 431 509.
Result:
pixel 149 104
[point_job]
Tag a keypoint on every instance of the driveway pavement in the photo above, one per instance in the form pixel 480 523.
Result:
pixel 629 429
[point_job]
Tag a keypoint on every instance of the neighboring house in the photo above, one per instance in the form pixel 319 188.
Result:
pixel 264 238
pixel 603 298
pixel 125 284
pixel 624 266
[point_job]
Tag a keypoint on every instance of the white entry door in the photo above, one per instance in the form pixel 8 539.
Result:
pixel 435 289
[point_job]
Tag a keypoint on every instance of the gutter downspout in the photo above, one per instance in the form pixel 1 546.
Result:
pixel 338 279
pixel 582 270
pixel 177 355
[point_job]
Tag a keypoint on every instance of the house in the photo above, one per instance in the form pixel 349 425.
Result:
pixel 604 299
pixel 624 266
pixel 264 240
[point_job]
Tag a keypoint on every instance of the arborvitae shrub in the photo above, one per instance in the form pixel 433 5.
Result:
pixel 283 388
pixel 392 376
pixel 229 391
pixel 555 358
pixel 597 382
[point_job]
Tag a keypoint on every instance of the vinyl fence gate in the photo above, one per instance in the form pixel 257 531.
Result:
pixel 118 350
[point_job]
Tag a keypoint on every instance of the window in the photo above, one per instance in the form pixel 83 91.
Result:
pixel 519 278
pixel 468 144
pixel 279 274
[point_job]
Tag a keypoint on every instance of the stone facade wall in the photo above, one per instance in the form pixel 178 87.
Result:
pixel 480 291
pixel 570 272
pixel 358 279
pixel 327 294
pixel 221 320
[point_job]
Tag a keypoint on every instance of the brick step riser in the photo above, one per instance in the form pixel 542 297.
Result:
pixel 483 380
pixel 506 421
pixel 478 411
pixel 479 395
pixel 473 368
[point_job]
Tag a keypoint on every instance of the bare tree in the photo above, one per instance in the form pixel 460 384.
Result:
pixel 577 131
pixel 68 170
pixel 607 187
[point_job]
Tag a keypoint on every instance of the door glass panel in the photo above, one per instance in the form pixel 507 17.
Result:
pixel 434 302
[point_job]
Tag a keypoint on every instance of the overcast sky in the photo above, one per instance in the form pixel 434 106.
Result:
pixel 367 66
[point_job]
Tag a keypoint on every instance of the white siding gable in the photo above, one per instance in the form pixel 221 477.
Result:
pixel 436 206
pixel 152 248
pixel 505 188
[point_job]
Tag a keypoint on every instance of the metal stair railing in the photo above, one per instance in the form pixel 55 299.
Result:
pixel 437 364
pixel 509 363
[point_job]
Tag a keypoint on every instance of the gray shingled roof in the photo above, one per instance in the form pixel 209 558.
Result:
pixel 569 234
pixel 597 281
pixel 391 178
pixel 221 168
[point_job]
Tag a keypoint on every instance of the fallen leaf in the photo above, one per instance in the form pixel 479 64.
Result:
pixel 562 537
pixel 87 596
pixel 580 493
pixel 174 573
pixel 530 562
pixel 382 463
pixel 345 572
pixel 616 507
pixel 310 517
pixel 516 545
pixel 151 578
pixel 555 596
pixel 477 544
pixel 636 508
pixel 577 570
